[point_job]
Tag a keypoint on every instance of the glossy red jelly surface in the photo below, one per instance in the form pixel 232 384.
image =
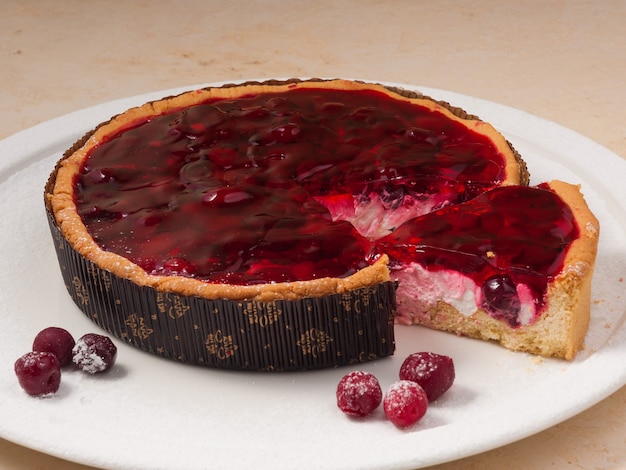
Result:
pixel 503 238
pixel 223 191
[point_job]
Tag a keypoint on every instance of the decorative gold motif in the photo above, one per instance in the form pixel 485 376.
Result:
pixel 138 326
pixel 314 341
pixel 357 301
pixel 99 277
pixel 81 292
pixel 262 317
pixel 171 304
pixel 365 357
pixel 220 345
pixel 346 301
pixel 367 296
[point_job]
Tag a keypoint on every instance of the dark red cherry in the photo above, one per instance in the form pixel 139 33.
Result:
pixel 358 393
pixel 38 373
pixel 94 353
pixel 501 299
pixel 226 196
pixel 178 266
pixel 57 341
pixel 287 133
pixel 433 372
pixel 405 403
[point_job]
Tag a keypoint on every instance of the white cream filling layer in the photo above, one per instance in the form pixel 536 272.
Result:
pixel 373 219
pixel 419 288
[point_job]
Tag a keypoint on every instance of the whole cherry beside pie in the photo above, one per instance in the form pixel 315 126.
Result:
pixel 38 373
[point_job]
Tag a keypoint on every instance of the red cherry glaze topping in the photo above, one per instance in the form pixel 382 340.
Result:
pixel 502 238
pixel 241 191
pixel 226 191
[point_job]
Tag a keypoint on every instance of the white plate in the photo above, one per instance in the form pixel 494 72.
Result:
pixel 152 413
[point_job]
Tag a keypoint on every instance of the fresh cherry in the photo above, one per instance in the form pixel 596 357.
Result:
pixel 57 341
pixel 433 372
pixel 38 373
pixel 94 353
pixel 358 393
pixel 405 403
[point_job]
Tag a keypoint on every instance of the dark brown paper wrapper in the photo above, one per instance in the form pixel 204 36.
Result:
pixel 282 335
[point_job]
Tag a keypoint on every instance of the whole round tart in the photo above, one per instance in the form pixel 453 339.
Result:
pixel 258 226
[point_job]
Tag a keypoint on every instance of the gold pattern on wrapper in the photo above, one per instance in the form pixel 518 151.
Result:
pixel 351 303
pixel 314 341
pixel 263 315
pixel 98 277
pixel 171 304
pixel 80 291
pixel 138 326
pixel 220 345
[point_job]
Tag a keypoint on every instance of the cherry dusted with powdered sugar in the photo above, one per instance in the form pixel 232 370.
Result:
pixel 405 403
pixel 433 372
pixel 358 393
pixel 94 353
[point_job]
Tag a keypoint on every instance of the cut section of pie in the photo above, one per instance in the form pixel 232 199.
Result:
pixel 513 265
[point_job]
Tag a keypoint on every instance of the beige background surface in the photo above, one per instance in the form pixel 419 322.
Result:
pixel 561 60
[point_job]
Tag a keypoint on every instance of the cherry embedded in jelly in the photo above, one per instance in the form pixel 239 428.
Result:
pixel 176 266
pixel 226 196
pixel 286 133
pixel 501 298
